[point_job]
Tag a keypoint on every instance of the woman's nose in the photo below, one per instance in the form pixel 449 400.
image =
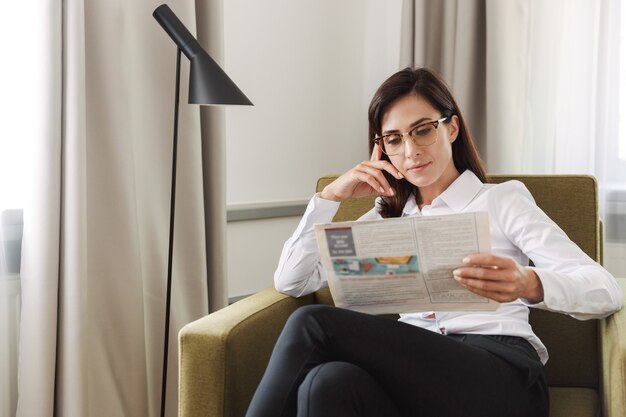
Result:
pixel 410 148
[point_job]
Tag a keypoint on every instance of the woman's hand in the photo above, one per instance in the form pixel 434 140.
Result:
pixel 499 278
pixel 364 179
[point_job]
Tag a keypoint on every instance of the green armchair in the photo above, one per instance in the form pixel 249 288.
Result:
pixel 224 355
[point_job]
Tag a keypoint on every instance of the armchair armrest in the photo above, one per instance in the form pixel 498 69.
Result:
pixel 613 356
pixel 223 355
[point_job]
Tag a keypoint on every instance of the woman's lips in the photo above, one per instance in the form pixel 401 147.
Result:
pixel 419 167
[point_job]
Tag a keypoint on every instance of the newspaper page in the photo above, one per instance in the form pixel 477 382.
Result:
pixel 403 265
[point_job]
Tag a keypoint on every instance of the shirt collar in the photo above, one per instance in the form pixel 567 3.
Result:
pixel 410 207
pixel 457 196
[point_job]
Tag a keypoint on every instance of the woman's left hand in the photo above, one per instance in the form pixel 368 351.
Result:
pixel 499 278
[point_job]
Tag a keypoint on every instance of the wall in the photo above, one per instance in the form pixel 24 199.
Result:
pixel 310 68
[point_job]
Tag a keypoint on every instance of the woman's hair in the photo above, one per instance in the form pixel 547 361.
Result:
pixel 429 86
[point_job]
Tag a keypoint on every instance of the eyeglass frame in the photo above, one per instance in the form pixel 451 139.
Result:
pixel 435 124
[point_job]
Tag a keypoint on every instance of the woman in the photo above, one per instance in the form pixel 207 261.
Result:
pixel 334 362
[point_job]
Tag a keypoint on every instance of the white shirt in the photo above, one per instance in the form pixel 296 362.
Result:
pixel 572 282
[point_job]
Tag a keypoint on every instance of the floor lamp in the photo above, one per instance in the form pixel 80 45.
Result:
pixel 208 85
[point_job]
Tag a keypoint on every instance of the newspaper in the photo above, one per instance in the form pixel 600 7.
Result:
pixel 403 265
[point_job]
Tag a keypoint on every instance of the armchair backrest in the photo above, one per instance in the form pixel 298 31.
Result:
pixel 572 202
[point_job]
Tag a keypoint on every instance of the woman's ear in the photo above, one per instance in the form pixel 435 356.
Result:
pixel 453 128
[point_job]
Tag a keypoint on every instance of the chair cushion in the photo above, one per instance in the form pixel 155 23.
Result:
pixel 574 402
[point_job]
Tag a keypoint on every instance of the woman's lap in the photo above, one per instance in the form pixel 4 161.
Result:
pixel 422 372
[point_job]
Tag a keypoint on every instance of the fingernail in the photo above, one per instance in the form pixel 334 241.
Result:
pixel 382 190
pixel 391 191
pixel 400 174
pixel 457 278
pixel 466 260
pixel 456 272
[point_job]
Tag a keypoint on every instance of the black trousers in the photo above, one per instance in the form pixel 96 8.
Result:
pixel 334 362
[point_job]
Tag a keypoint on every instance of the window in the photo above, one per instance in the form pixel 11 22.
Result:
pixel 20 82
pixel 22 39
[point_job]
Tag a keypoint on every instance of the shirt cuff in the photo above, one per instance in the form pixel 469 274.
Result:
pixel 541 304
pixel 554 295
pixel 320 210
pixel 326 208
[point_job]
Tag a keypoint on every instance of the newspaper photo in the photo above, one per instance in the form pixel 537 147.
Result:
pixel 403 265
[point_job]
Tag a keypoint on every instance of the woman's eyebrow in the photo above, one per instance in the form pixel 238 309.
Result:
pixel 412 125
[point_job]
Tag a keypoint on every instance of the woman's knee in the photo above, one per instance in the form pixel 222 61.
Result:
pixel 341 388
pixel 328 379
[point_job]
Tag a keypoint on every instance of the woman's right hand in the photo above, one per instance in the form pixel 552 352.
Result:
pixel 363 180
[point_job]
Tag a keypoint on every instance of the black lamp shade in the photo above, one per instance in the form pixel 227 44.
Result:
pixel 208 83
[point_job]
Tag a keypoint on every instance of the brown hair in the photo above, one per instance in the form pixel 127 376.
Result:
pixel 429 86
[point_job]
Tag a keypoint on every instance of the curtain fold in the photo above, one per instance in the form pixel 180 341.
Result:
pixel 96 230
pixel 449 36
pixel 210 22
pixel 41 235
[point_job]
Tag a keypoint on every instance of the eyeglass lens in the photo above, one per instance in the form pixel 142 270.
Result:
pixel 422 135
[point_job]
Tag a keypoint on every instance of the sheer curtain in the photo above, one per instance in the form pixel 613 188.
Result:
pixel 562 86
pixel 96 225
pixel 538 81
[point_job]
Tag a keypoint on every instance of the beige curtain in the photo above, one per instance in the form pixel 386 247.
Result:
pixel 96 228
pixel 210 21
pixel 449 36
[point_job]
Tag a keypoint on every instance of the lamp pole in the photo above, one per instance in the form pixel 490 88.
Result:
pixel 208 84
pixel 170 253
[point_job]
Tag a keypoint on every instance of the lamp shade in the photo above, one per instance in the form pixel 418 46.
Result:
pixel 208 83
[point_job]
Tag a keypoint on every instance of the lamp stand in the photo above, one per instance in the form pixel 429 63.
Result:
pixel 171 240
pixel 208 84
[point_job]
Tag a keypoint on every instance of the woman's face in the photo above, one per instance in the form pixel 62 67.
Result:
pixel 428 167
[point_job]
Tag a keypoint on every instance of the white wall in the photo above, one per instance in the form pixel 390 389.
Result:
pixel 253 251
pixel 310 68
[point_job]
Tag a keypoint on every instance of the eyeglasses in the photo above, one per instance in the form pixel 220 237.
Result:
pixel 424 134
